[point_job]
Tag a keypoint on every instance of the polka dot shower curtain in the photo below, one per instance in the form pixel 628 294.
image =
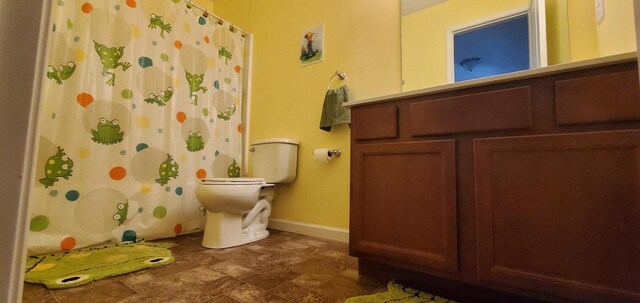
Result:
pixel 141 99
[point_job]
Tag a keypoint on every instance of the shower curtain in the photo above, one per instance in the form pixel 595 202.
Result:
pixel 141 99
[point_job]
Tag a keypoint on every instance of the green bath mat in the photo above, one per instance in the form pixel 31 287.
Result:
pixel 399 294
pixel 77 267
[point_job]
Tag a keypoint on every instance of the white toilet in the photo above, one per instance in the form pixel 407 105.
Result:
pixel 238 209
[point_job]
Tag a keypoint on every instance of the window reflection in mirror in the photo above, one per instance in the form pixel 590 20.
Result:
pixel 572 33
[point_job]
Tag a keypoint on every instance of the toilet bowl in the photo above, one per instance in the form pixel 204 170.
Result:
pixel 238 209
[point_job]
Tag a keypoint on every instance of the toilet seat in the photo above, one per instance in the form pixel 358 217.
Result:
pixel 233 181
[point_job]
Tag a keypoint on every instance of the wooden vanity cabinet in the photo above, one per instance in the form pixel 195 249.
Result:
pixel 519 191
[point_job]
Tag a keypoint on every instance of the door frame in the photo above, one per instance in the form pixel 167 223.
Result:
pixel 535 51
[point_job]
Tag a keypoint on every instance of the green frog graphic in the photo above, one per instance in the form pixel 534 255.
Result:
pixel 227 113
pixel 195 142
pixel 195 84
pixel 57 166
pixel 168 169
pixel 63 73
pixel 110 58
pixel 156 22
pixel 224 52
pixel 60 270
pixel 107 132
pixel 160 99
pixel 121 214
pixel 234 170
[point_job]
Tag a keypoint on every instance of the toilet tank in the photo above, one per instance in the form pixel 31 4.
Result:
pixel 275 160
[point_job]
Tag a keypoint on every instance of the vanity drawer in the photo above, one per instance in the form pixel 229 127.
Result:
pixel 375 123
pixel 604 98
pixel 495 110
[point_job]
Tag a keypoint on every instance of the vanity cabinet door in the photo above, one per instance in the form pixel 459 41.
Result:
pixel 561 214
pixel 403 204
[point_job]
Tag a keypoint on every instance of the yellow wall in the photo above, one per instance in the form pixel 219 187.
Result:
pixel 424 51
pixel 582 28
pixel 616 32
pixel 558 47
pixel 362 39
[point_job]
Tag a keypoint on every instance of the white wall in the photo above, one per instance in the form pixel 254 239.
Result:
pixel 20 72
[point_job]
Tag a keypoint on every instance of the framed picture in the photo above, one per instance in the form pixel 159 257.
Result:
pixel 312 45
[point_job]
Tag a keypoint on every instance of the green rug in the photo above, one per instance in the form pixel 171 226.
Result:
pixel 397 293
pixel 77 267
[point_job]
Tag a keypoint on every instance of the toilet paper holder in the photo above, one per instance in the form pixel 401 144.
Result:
pixel 333 153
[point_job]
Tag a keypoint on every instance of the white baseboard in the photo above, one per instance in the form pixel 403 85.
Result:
pixel 314 230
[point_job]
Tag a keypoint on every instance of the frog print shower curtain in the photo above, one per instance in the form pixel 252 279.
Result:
pixel 141 98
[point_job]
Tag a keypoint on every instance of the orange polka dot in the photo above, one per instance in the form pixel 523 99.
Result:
pixel 237 69
pixel 118 173
pixel 177 44
pixel 131 3
pixel 177 229
pixel 206 39
pixel 239 128
pixel 68 243
pixel 86 7
pixel 84 99
pixel 181 117
pixel 201 174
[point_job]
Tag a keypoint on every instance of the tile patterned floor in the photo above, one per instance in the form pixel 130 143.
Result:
pixel 285 267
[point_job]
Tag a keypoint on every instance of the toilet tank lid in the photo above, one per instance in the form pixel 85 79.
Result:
pixel 233 181
pixel 276 140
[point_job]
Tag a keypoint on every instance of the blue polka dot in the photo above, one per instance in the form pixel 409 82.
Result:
pixel 226 139
pixel 167 189
pixel 211 120
pixel 141 147
pixel 204 158
pixel 172 68
pixel 129 236
pixel 197 42
pixel 145 62
pixel 179 191
pixel 159 130
pixel 76 38
pixel 216 84
pixel 53 193
pixel 202 21
pixel 140 209
pixel 72 195
pixel 154 43
pixel 133 105
pixel 117 7
pixel 123 152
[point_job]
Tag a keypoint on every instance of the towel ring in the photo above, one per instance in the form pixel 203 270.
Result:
pixel 339 74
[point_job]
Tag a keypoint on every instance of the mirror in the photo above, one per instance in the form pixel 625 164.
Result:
pixel 574 31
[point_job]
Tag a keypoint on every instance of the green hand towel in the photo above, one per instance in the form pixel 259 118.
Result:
pixel 332 111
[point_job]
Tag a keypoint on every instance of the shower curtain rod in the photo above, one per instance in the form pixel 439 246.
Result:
pixel 206 14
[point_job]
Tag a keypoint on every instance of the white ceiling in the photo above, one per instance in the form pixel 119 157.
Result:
pixel 411 6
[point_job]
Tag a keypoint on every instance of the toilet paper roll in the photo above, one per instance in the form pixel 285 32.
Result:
pixel 321 155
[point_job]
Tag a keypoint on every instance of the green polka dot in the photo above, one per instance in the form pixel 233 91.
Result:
pixel 53 193
pixel 164 57
pixel 205 111
pixel 127 94
pixel 159 212
pixel 39 223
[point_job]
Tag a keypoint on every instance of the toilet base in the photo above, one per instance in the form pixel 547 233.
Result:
pixel 223 230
